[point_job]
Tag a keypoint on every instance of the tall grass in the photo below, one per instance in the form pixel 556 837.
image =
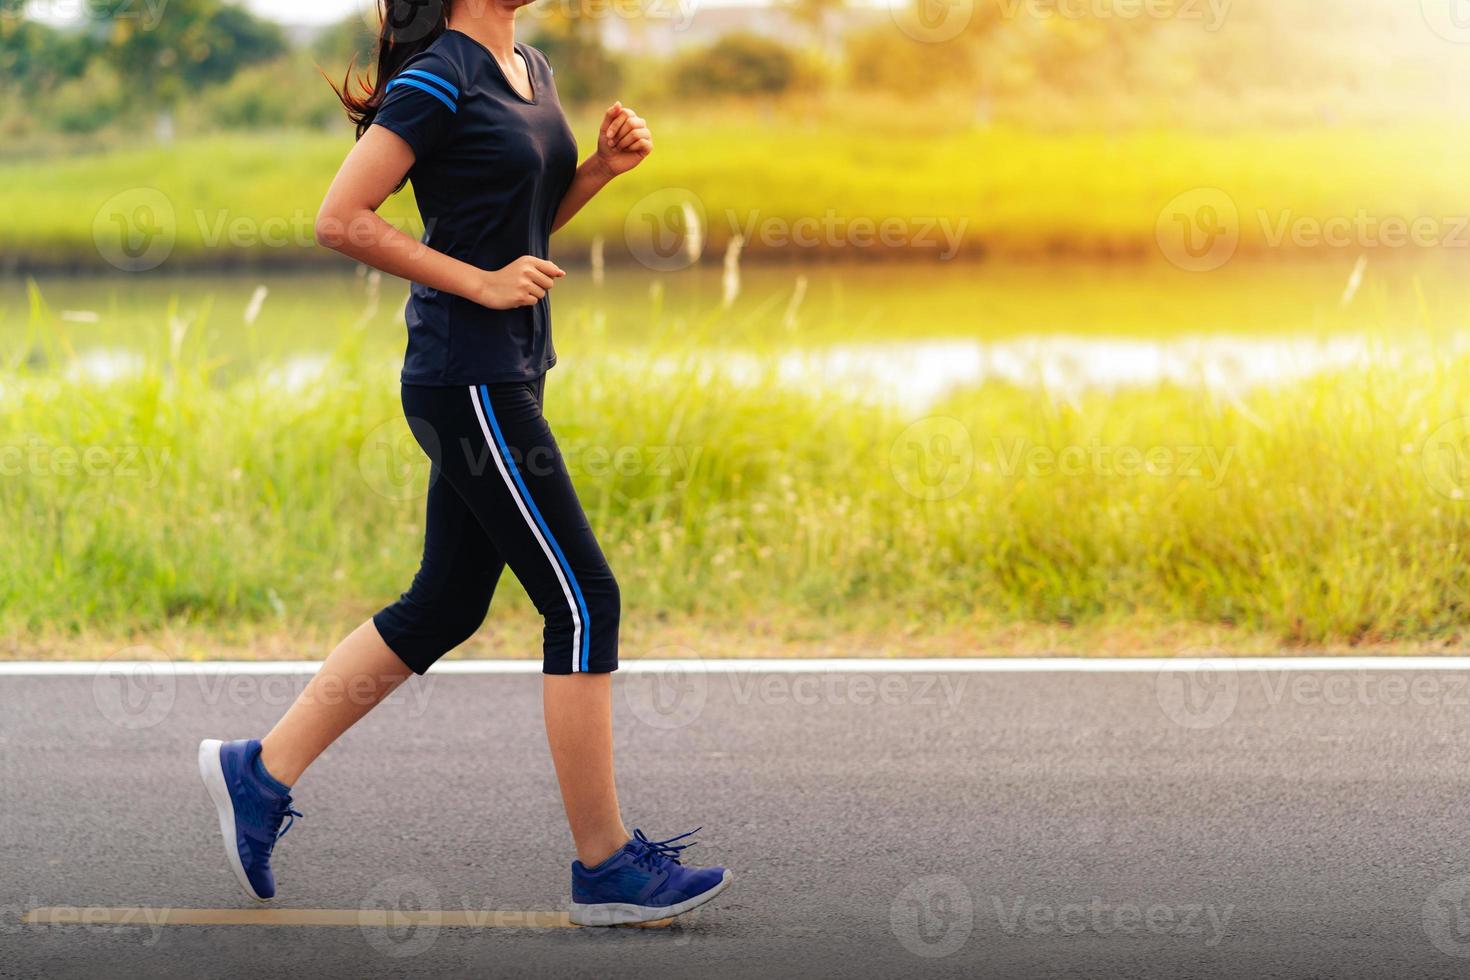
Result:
pixel 188 494
pixel 237 198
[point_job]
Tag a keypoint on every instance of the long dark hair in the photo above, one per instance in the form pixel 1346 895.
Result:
pixel 408 27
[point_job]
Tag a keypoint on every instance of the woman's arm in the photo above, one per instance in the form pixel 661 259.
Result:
pixel 623 142
pixel 349 223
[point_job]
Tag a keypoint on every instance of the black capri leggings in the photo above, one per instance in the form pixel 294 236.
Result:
pixel 500 494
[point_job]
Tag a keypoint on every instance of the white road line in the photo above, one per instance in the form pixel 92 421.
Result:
pixel 957 665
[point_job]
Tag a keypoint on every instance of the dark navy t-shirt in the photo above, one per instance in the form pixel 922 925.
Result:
pixel 490 170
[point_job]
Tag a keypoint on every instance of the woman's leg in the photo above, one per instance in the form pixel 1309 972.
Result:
pixel 579 730
pixel 499 454
pixel 354 678
pixel 443 607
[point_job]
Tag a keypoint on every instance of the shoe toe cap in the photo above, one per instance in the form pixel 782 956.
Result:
pixel 700 880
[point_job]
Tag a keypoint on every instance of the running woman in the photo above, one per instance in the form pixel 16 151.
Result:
pixel 470 116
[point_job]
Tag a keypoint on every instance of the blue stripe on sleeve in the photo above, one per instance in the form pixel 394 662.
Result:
pixel 436 93
pixel 433 79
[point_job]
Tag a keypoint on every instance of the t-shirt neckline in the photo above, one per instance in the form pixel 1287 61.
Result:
pixel 535 89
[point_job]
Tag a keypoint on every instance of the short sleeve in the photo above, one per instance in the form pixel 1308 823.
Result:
pixel 420 103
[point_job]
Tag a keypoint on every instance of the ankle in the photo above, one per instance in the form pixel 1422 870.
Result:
pixel 593 853
pixel 281 769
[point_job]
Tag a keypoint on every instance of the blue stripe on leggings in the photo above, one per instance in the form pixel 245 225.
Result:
pixel 541 523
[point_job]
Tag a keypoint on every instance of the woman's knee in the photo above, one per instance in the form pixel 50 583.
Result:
pixel 422 632
pixel 582 624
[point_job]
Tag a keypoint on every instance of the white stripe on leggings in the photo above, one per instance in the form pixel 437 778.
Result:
pixel 510 485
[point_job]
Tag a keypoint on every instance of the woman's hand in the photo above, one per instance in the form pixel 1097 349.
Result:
pixel 623 140
pixel 522 283
pixel 622 143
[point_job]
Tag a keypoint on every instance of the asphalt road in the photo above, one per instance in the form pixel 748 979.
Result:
pixel 1012 826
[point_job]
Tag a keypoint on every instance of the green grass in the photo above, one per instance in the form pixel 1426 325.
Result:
pixel 1002 191
pixel 1321 519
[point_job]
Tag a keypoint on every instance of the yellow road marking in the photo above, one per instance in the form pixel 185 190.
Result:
pixel 67 915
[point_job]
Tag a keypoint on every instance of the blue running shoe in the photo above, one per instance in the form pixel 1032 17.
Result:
pixel 642 882
pixel 251 804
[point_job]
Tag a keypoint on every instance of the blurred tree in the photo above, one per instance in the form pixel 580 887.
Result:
pixel 190 44
pixel 876 62
pixel 35 58
pixel 349 41
pixel 819 17
pixel 585 69
pixel 736 64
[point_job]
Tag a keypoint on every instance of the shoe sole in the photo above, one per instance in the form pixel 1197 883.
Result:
pixel 213 773
pixel 620 914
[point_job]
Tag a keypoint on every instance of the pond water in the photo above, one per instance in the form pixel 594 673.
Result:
pixel 908 332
